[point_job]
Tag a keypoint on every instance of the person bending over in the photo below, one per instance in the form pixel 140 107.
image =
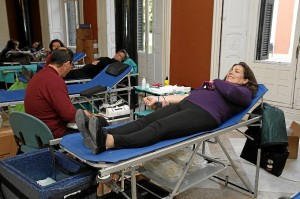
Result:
pixel 94 68
pixel 205 108
pixel 47 96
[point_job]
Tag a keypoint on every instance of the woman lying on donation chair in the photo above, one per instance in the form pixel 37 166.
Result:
pixel 203 109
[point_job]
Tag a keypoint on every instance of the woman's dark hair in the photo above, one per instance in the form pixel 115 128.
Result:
pixel 125 53
pixel 11 44
pixel 248 74
pixel 61 55
pixel 55 40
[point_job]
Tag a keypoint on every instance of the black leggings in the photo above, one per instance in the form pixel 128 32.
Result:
pixel 173 121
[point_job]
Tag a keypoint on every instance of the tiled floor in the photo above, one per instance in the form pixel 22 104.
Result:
pixel 270 186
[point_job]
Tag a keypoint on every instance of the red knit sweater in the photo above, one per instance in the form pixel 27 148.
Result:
pixel 47 99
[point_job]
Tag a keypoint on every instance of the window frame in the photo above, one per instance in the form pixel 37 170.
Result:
pixel 144 16
pixel 255 32
pixel 264 29
pixel 77 12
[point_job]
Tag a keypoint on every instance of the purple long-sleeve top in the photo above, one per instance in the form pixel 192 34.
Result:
pixel 224 101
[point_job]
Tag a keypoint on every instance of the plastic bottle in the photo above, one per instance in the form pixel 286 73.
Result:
pixel 167 81
pixel 144 83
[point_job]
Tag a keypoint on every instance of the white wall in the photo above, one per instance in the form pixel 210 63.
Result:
pixel 4 31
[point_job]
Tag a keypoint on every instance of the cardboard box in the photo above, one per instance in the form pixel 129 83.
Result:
pixel 90 48
pixel 293 140
pixel 8 145
pixel 79 45
pixel 84 33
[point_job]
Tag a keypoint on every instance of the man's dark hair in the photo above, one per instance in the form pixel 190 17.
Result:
pixel 125 53
pixel 61 55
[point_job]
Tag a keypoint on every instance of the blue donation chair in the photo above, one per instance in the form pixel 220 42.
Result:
pixel 79 56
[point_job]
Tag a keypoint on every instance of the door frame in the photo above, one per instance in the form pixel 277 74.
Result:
pixel 260 69
pixel 156 66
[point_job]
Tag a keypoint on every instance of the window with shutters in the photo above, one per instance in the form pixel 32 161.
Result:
pixel 72 20
pixel 144 21
pixel 276 30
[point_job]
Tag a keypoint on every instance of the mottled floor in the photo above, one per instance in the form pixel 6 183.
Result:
pixel 270 186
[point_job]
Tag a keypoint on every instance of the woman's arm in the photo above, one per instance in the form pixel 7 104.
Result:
pixel 237 94
pixel 165 100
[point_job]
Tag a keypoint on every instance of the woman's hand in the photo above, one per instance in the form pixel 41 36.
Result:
pixel 150 100
pixel 95 62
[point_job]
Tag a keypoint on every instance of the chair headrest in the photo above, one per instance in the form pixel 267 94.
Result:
pixel 116 68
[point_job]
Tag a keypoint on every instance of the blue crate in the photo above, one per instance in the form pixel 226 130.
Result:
pixel 23 172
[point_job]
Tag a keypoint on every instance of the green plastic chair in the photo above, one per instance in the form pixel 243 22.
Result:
pixel 32 133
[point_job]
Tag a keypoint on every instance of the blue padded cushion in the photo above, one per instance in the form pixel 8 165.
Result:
pixel 74 142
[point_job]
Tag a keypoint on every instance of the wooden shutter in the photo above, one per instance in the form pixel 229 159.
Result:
pixel 140 25
pixel 264 30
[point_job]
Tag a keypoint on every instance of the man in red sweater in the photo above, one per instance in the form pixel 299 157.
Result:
pixel 47 95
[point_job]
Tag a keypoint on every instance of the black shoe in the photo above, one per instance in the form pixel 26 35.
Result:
pixel 82 122
pixel 97 134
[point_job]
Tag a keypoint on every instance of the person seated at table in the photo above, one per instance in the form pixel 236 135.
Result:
pixel 47 96
pixel 12 53
pixel 205 108
pixel 54 44
pixel 35 47
pixel 94 68
pixel 39 54
pixel 12 45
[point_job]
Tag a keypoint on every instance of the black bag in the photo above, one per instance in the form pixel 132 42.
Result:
pixel 116 68
pixel 273 126
pixel 274 153
pixel 273 158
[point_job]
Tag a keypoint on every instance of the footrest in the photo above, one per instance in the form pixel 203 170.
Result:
pixel 143 113
pixel 92 91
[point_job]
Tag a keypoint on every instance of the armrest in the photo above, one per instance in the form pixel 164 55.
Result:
pixel 92 91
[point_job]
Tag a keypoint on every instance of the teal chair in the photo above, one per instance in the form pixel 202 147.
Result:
pixel 9 74
pixel 31 133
